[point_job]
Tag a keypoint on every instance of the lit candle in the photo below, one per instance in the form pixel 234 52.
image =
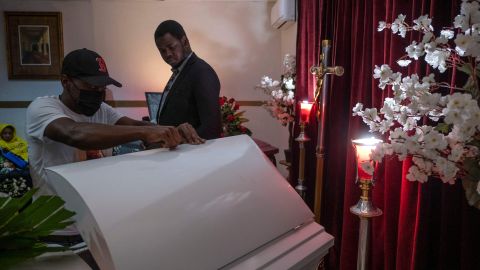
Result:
pixel 305 108
pixel 363 149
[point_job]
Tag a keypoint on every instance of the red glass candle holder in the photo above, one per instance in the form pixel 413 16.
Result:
pixel 363 149
pixel 305 108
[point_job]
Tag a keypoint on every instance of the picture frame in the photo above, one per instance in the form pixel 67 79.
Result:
pixel 153 102
pixel 34 45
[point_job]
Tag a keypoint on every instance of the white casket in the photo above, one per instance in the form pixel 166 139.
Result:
pixel 220 205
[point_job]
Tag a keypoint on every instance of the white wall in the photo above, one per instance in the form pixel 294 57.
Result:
pixel 289 39
pixel 235 37
pixel 74 36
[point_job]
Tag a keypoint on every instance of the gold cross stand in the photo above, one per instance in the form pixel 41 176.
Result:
pixel 321 99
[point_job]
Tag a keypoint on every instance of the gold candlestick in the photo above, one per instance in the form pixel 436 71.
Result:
pixel 321 72
pixel 364 209
pixel 301 139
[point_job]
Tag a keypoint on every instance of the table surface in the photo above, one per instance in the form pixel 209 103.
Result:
pixel 266 148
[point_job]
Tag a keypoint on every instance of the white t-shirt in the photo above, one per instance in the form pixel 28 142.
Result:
pixel 44 152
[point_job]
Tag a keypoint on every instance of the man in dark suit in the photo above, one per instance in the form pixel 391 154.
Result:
pixel 191 95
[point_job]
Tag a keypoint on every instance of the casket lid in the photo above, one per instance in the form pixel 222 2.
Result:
pixel 194 207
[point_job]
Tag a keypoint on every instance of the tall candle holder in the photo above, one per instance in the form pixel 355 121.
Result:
pixel 364 209
pixel 305 108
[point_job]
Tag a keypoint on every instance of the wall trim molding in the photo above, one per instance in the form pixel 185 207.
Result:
pixel 17 104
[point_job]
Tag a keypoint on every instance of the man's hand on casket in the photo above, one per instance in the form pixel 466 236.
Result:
pixel 189 134
pixel 162 136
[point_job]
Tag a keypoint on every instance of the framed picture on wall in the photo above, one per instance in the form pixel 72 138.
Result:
pixel 34 45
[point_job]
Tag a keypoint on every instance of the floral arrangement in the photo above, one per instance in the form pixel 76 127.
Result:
pixel 13 180
pixel 440 132
pixel 13 187
pixel 282 92
pixel 232 119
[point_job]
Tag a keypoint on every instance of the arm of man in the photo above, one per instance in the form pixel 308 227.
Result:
pixel 88 136
pixel 188 133
pixel 127 121
pixel 207 90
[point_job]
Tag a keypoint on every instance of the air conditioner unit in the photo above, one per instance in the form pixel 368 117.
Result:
pixel 283 13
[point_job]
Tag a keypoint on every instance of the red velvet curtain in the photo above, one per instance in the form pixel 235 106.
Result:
pixel 423 226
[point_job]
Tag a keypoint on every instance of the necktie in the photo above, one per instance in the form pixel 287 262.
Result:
pixel 165 92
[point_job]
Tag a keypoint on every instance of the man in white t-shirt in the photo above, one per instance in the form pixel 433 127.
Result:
pixel 60 129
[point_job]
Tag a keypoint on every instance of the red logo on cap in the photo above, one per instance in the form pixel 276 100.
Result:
pixel 101 64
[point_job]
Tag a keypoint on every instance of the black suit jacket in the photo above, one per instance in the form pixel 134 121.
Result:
pixel 193 98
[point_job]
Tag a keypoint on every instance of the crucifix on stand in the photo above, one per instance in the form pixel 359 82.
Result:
pixel 321 99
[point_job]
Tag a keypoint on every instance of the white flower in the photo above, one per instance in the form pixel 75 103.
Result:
pixel 398 133
pixel 281 103
pixel 471 12
pixel 423 23
pixel 290 95
pixel 357 110
pixel 411 123
pixel 439 131
pixel 379 152
pixel 382 73
pixel 403 116
pixel 266 81
pixel 388 108
pixel 437 59
pixel 277 94
pixel 400 150
pixel 415 50
pixel 289 64
pixel 414 174
pixel 458 101
pixel 384 126
pixel 411 144
pixel 289 83
pixel 464 43
pixel 371 114
pixel 399 26
pixel 452 116
pixel 448 172
pixel 402 30
pixel 474 30
pixel 423 164
pixel 404 63
pixel 427 37
pixel 456 152
pixel 381 26
pixel 434 140
pixel 395 78
pixel 448 34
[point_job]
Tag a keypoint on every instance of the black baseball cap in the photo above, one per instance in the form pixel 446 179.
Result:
pixel 87 66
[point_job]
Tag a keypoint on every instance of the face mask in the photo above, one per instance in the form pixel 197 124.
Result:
pixel 90 101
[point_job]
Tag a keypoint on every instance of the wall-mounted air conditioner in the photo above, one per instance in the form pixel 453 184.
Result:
pixel 283 13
